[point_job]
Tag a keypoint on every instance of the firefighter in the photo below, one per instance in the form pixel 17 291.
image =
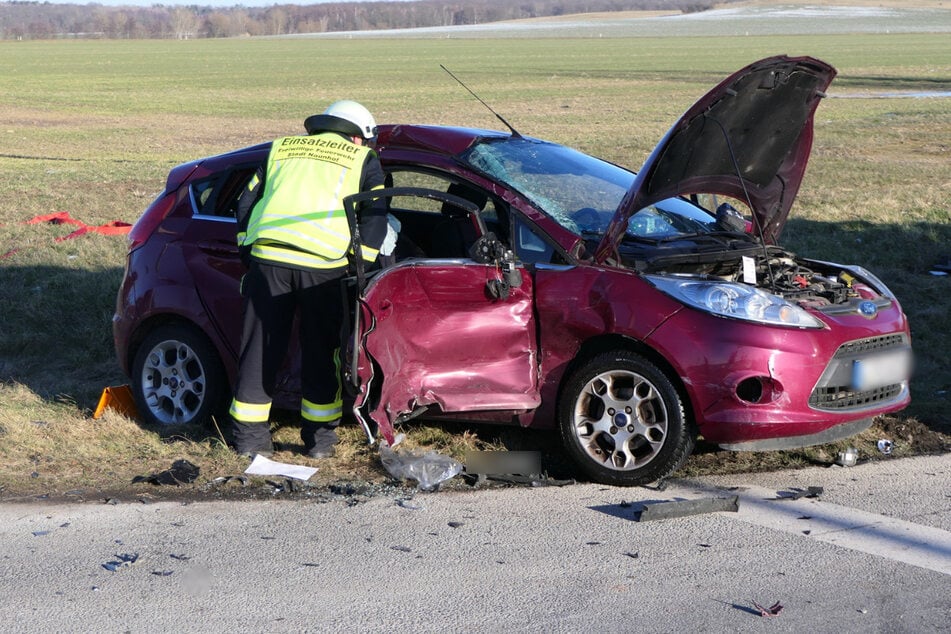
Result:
pixel 295 238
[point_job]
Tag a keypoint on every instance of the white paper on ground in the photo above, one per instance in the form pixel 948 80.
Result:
pixel 262 466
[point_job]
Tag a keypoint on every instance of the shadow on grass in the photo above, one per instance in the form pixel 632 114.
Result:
pixel 56 336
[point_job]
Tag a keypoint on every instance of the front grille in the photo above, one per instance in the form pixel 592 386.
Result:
pixel 841 397
pixel 876 344
pixel 834 390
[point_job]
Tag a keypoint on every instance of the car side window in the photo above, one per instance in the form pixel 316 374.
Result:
pixel 529 246
pixel 435 230
pixel 219 195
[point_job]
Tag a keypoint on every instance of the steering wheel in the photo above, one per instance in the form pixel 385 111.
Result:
pixel 586 218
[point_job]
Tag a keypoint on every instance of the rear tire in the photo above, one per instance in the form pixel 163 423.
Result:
pixel 622 420
pixel 177 378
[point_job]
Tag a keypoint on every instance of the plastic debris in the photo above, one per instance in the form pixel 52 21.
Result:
pixel 430 469
pixel 798 494
pixel 848 458
pixel 240 479
pixel 121 561
pixel 772 610
pixel 181 472
pixel 683 508
pixel 886 446
pixel 942 268
pixel 542 480
pixel 493 463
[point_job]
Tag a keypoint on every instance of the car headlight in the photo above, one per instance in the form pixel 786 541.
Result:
pixel 738 301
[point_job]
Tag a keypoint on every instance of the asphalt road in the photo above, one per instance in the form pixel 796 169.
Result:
pixel 871 553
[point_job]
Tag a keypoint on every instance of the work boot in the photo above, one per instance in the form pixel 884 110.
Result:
pixel 252 438
pixel 320 440
pixel 267 453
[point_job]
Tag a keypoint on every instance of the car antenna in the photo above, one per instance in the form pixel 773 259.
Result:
pixel 498 116
pixel 746 194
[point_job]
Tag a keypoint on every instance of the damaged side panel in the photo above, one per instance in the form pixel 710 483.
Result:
pixel 434 336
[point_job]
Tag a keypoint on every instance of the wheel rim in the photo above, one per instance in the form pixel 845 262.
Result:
pixel 620 420
pixel 173 383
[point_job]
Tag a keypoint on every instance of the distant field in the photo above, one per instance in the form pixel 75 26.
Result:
pixel 766 17
pixel 92 127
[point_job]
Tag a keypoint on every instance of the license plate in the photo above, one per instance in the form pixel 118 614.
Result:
pixel 883 369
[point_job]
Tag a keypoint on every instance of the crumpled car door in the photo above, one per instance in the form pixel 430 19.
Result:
pixel 434 334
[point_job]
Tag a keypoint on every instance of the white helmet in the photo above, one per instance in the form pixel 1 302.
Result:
pixel 347 117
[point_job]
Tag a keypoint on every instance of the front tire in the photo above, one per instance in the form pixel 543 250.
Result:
pixel 177 378
pixel 622 421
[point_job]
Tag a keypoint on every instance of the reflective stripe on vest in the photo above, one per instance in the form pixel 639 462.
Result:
pixel 301 206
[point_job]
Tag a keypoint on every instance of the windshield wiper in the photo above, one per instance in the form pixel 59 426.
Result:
pixel 695 234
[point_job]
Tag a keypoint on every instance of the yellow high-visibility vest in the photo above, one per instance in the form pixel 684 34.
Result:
pixel 301 206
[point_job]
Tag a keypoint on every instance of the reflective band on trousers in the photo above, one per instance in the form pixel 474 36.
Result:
pixel 321 413
pixel 250 412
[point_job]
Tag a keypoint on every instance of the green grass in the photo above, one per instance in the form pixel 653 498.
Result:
pixel 92 128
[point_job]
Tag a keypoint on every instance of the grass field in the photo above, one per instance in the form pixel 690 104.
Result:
pixel 92 127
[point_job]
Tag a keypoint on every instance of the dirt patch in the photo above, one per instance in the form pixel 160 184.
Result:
pixel 358 476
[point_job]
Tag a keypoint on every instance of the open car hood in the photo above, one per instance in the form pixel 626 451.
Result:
pixel 749 138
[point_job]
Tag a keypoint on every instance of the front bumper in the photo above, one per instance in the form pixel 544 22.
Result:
pixel 753 387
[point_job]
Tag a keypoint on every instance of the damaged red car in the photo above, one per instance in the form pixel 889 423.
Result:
pixel 535 285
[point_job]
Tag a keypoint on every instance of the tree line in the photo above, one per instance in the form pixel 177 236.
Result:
pixel 45 20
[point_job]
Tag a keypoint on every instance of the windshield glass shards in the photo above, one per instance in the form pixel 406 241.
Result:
pixel 579 191
pixel 670 218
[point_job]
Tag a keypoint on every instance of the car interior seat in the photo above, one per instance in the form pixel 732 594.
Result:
pixel 454 234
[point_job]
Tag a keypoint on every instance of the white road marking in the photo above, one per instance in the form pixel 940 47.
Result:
pixel 895 539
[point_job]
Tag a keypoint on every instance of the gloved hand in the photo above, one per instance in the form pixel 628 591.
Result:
pixel 392 232
pixel 394 222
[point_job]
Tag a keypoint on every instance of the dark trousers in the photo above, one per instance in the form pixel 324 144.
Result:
pixel 273 294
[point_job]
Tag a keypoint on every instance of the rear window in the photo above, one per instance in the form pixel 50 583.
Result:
pixel 219 195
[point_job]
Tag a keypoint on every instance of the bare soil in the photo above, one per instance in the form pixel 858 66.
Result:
pixel 359 476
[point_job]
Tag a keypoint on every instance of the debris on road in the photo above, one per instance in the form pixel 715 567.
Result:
pixel 798 494
pixel 772 610
pixel 263 466
pixel 430 469
pixel 683 508
pixel 848 458
pixel 220 480
pixel 886 446
pixel 181 472
pixel 475 479
pixel 121 561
